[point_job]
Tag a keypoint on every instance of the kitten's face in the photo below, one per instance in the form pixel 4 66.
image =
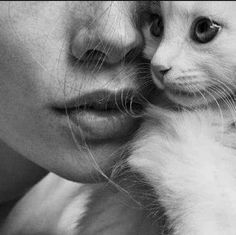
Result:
pixel 192 47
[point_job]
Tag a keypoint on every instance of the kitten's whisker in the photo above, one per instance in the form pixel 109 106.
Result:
pixel 193 88
pixel 227 98
pixel 215 100
pixel 220 111
pixel 228 102
pixel 229 92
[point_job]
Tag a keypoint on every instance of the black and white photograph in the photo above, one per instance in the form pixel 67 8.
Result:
pixel 117 118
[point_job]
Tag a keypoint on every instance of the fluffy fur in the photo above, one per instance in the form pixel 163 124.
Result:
pixel 190 160
pixel 189 156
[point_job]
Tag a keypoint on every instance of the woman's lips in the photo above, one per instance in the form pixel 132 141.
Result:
pixel 97 126
pixel 103 115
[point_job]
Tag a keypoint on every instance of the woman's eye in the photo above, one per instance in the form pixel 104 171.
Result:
pixel 204 30
pixel 157 26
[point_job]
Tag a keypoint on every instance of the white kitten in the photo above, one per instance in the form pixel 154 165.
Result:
pixel 189 157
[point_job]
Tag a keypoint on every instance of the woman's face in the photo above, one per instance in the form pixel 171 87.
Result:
pixel 63 67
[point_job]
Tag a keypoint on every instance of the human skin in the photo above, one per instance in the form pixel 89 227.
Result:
pixel 43 68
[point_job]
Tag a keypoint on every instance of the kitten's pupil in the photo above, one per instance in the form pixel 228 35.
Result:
pixel 204 30
pixel 157 26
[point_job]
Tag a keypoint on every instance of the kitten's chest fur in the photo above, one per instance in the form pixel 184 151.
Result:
pixel 189 158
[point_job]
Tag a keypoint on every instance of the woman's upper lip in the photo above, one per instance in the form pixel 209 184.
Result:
pixel 102 100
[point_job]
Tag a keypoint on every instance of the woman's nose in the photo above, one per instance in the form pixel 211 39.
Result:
pixel 110 39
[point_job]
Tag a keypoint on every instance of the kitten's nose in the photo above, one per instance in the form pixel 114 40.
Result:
pixel 164 71
pixel 159 72
pixel 161 69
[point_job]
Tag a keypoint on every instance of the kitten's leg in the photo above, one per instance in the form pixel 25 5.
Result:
pixel 194 175
pixel 113 212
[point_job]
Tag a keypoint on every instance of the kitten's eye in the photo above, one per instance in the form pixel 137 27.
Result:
pixel 157 26
pixel 204 30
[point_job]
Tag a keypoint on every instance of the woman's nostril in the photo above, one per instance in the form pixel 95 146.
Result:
pixel 93 57
pixel 95 47
pixel 132 54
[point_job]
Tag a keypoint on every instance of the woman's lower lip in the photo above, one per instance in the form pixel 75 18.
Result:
pixel 101 125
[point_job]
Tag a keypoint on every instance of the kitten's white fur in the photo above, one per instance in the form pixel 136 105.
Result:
pixel 190 156
pixel 191 162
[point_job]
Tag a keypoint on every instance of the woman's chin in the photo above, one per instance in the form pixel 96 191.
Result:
pixel 91 162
